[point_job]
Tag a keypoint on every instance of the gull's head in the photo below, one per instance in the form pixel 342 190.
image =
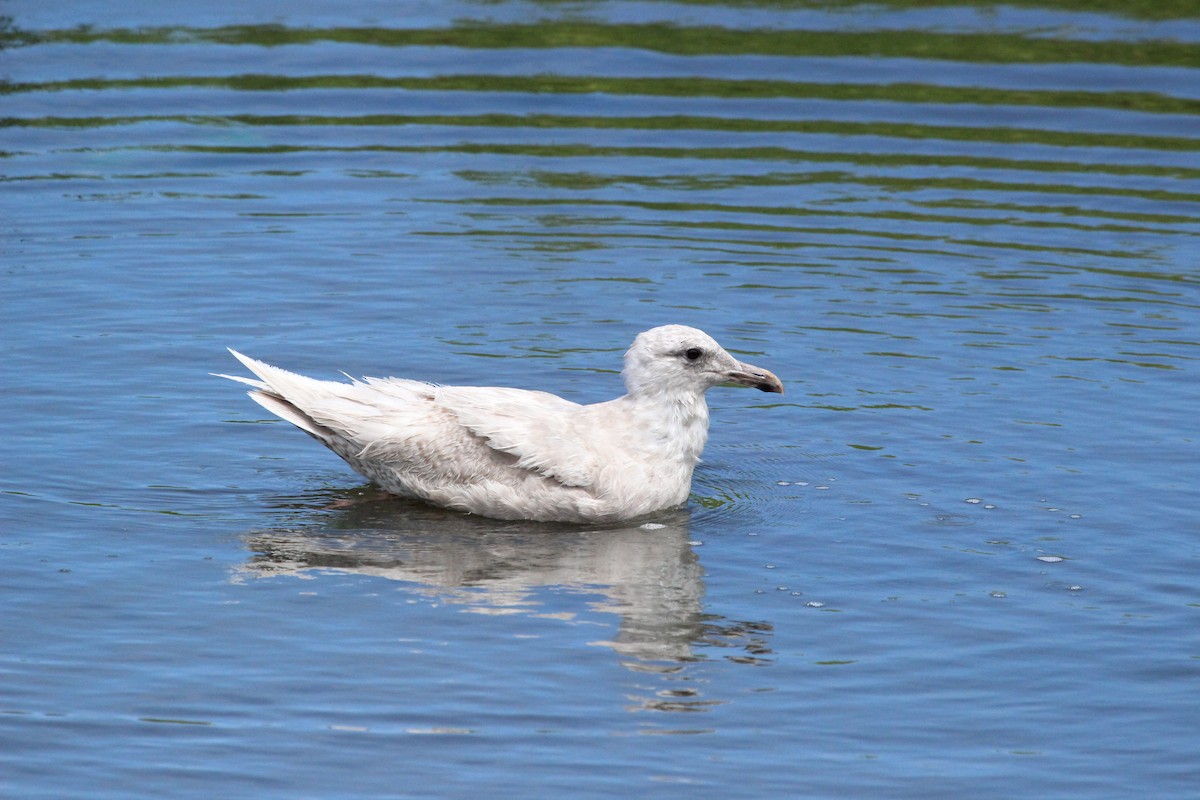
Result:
pixel 678 359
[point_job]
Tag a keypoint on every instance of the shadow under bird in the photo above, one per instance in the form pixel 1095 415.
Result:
pixel 520 454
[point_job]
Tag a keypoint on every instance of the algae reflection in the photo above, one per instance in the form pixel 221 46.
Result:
pixel 647 574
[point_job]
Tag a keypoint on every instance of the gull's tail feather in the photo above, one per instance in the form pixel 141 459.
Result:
pixel 273 391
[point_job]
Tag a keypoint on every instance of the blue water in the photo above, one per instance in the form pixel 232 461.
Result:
pixel 957 559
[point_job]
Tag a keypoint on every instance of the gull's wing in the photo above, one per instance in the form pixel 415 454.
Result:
pixel 354 412
pixel 546 433
pixel 442 434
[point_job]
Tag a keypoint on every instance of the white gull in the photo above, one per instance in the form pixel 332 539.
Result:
pixel 519 454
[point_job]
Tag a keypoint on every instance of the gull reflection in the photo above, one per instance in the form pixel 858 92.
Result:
pixel 647 574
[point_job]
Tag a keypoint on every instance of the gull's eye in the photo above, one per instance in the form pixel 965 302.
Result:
pixel 693 353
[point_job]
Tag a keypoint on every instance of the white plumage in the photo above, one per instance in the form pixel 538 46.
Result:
pixel 519 454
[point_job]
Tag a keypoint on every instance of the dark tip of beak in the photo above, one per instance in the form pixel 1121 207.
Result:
pixel 769 383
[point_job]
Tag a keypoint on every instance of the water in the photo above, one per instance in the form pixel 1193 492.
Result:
pixel 958 558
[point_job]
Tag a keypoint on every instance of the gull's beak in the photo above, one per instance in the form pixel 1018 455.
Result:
pixel 750 375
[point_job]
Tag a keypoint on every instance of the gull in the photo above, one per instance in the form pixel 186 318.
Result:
pixel 520 454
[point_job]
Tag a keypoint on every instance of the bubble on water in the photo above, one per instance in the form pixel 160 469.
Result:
pixel 797 594
pixel 997 595
pixel 695 543
pixel 974 501
pixel 1051 559
pixel 988 505
pixel 652 526
pixel 802 483
pixel 1076 516
pixel 821 487
pixel 768 566
pixel 1074 588
pixel 760 591
pixel 781 588
pixel 815 604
